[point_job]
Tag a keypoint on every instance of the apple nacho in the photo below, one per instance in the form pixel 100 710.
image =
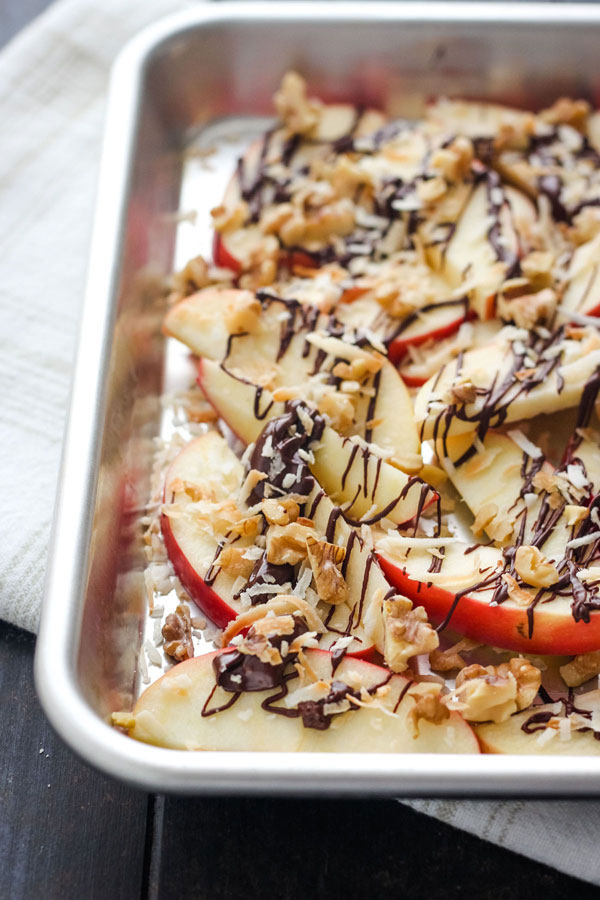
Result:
pixel 390 514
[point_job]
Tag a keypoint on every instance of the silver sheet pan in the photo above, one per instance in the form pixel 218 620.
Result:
pixel 208 75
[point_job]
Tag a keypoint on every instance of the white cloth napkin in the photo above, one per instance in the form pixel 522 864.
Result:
pixel 53 80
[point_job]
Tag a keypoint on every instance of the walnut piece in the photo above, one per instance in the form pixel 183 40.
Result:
pixel 298 113
pixel 581 668
pixel 280 512
pixel 567 112
pixel 231 559
pixel 192 277
pixel 432 190
pixel 242 315
pixel 177 632
pixel 494 693
pixel 454 160
pixel 287 543
pixel 229 218
pixel 324 559
pixel 529 309
pixel 406 633
pixel 446 660
pixel 533 568
pixel 428 706
pixel 339 408
pixel 359 369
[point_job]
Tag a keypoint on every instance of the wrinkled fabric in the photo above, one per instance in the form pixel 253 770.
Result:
pixel 53 80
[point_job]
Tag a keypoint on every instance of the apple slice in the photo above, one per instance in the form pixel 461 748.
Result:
pixel 169 714
pixel 432 323
pixel 460 589
pixel 424 361
pixel 582 292
pixel 201 489
pixel 527 732
pixel 496 473
pixel 512 380
pixel 204 475
pixel 272 339
pixel 485 247
pixel 267 168
pixel 347 468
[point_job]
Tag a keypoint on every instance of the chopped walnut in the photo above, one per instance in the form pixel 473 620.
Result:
pixel 280 512
pixel 528 310
pixel 324 559
pixel 428 706
pixel 497 525
pixel 454 160
pixel 537 268
pixel 432 190
pixel 494 693
pixel 567 112
pixel 533 568
pixel 227 218
pixel 261 270
pixel 177 632
pixel 339 408
pixel 299 114
pixel 390 297
pixel 287 543
pixel 359 369
pixel 581 668
pixel 465 392
pixel 517 593
pixel 246 527
pixel 192 277
pixel 407 633
pixel 446 660
pixel 345 176
pixel 231 560
pixel 527 676
pixel 242 313
pixel 305 226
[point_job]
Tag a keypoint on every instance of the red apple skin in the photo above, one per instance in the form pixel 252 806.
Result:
pixel 499 626
pixel 211 604
pixel 399 346
pixel 222 257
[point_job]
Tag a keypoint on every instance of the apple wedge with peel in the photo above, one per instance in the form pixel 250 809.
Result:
pixel 432 323
pixel 273 162
pixel 268 339
pixel 485 247
pixel 513 378
pixel 175 711
pixel 547 729
pixel 460 591
pixel 497 475
pixel 200 513
pixel 199 484
pixel 582 292
pixel 348 469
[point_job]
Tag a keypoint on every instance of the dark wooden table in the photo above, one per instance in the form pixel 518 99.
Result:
pixel 68 833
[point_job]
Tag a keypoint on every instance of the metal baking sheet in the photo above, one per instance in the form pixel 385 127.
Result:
pixel 186 96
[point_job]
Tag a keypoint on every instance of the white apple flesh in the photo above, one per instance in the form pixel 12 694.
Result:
pixel 500 392
pixel 509 737
pixel 339 464
pixel 169 714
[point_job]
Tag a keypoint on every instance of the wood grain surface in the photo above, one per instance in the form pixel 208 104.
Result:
pixel 68 833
